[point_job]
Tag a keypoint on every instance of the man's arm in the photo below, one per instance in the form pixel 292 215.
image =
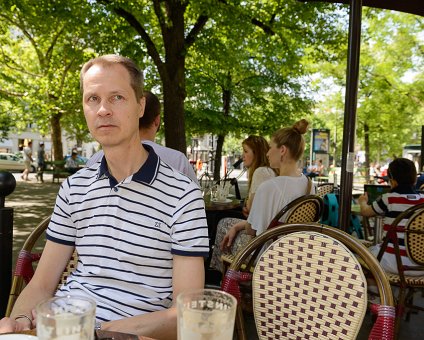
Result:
pixel 43 285
pixel 188 273
pixel 366 210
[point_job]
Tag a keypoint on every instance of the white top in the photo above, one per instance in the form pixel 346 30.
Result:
pixel 272 196
pixel 260 175
pixel 126 234
pixel 172 157
pixel 27 153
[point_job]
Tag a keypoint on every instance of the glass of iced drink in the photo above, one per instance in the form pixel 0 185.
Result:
pixel 206 314
pixel 66 318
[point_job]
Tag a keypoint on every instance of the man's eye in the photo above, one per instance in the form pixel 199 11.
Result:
pixel 117 97
pixel 92 99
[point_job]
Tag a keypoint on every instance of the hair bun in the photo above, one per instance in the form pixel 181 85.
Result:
pixel 301 126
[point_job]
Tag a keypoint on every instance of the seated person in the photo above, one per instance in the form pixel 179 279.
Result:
pixel 147 246
pixel 403 195
pixel 286 148
pixel 71 163
pixel 255 159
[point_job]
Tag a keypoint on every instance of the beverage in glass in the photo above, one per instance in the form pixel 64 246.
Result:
pixel 66 318
pixel 206 314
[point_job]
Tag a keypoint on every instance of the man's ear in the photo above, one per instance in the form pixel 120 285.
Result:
pixel 156 122
pixel 142 104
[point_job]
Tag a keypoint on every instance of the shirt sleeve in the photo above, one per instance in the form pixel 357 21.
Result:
pixel 61 229
pixel 190 229
pixel 263 208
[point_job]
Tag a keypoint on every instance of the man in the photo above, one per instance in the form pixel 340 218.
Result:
pixel 138 226
pixel 71 163
pixel 41 163
pixel 27 153
pixel 149 125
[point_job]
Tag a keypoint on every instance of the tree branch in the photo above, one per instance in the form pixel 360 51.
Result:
pixel 53 43
pixel 134 23
pixel 12 94
pixel 198 26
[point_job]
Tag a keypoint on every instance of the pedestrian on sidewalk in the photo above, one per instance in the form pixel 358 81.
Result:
pixel 41 163
pixel 27 153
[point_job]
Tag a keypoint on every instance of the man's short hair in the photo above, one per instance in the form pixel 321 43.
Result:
pixel 403 171
pixel 151 110
pixel 136 75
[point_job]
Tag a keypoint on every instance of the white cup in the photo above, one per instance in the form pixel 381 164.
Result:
pixel 66 318
pixel 205 314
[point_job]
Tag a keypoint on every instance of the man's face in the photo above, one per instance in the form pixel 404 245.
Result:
pixel 110 106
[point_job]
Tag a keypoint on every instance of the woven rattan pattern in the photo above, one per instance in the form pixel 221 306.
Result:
pixel 324 189
pixel 308 286
pixel 304 212
pixel 70 267
pixel 415 241
pixel 415 281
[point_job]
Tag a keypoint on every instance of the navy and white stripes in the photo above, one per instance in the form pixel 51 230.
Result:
pixel 127 233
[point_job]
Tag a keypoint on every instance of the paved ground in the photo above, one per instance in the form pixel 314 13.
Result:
pixel 33 201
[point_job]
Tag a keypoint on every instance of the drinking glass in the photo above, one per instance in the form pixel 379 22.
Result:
pixel 205 314
pixel 66 318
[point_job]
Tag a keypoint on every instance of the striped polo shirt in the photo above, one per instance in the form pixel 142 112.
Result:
pixel 127 233
pixel 390 205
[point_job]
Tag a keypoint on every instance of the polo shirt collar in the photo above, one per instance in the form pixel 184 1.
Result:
pixel 146 174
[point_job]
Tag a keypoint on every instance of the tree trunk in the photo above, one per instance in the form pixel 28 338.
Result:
pixel 367 151
pixel 173 79
pixel 57 136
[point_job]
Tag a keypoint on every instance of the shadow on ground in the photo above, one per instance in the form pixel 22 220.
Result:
pixel 31 202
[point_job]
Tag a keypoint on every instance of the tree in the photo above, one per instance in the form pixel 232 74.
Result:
pixel 39 65
pixel 170 28
pixel 391 92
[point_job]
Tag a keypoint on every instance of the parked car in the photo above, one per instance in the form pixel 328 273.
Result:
pixel 10 161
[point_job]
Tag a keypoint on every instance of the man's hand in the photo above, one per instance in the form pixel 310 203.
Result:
pixel 8 325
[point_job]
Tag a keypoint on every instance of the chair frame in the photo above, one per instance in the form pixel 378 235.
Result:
pixel 24 264
pixel 406 291
pixel 352 243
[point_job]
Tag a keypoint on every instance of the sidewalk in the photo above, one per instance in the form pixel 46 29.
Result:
pixel 31 203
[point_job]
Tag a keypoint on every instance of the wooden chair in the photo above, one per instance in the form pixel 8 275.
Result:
pixel 414 244
pixel 307 208
pixel 24 265
pixel 325 188
pixel 308 284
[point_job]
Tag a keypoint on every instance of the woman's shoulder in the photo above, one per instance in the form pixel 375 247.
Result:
pixel 264 170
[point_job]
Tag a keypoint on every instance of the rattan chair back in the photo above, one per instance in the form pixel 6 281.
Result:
pixel 324 189
pixel 24 265
pixel 306 208
pixel 304 280
pixel 307 280
pixel 414 237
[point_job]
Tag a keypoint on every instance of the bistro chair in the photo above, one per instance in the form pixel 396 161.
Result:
pixel 414 243
pixel 325 188
pixel 309 284
pixel 24 269
pixel 307 208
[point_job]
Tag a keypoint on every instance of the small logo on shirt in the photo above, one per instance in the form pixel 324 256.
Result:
pixel 157 224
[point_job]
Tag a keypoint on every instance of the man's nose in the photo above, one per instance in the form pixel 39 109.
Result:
pixel 104 109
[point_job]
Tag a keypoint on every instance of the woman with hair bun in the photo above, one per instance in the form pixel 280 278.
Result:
pixel 286 148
